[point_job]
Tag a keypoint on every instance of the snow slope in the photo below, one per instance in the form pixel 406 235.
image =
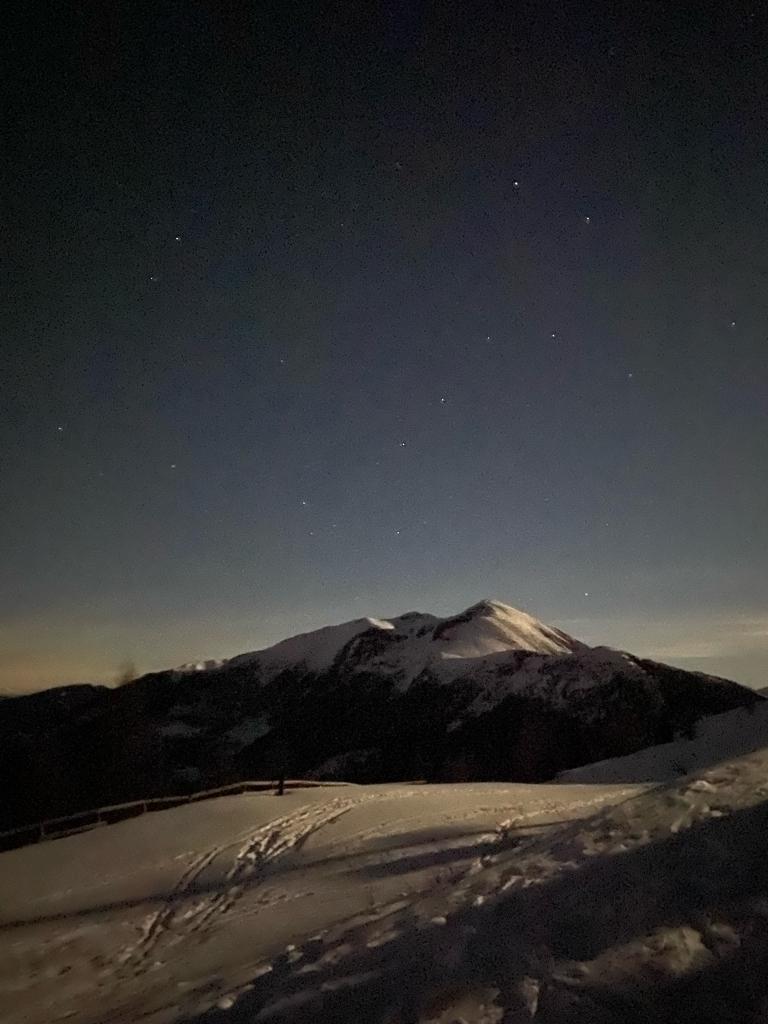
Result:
pixel 315 650
pixel 717 738
pixel 162 915
pixel 404 904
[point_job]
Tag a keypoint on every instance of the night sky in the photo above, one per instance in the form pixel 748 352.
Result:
pixel 318 311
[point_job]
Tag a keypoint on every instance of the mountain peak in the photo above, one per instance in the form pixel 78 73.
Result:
pixel 490 626
pixel 492 606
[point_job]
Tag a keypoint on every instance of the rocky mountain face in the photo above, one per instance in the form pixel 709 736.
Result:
pixel 491 693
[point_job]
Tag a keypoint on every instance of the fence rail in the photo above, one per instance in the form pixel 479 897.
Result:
pixel 83 821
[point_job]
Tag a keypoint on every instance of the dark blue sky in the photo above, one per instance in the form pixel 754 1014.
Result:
pixel 315 311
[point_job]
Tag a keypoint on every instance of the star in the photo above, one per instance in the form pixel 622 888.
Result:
pixel 553 334
pixel 586 593
pixel 177 238
pixel 587 220
pixel 733 323
pixel 304 502
pixel 60 429
pixel 443 401
pixel 173 465
pixel 403 444
pixel 516 184
pixel 152 277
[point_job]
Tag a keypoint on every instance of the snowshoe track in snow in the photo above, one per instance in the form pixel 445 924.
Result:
pixel 189 909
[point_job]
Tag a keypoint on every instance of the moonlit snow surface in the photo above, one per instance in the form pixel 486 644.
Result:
pixel 167 912
pixel 419 903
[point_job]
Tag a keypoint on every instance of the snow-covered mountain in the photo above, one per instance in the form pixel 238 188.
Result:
pixel 490 693
pixel 408 644
pixel 495 649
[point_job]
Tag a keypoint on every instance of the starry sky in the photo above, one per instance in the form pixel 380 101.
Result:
pixel 313 311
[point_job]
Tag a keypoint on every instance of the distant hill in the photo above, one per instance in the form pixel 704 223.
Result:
pixel 714 739
pixel 490 693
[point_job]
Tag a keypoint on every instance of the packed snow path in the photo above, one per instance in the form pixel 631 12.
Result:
pixel 167 916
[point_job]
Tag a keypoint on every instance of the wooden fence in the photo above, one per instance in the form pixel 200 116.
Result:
pixel 57 828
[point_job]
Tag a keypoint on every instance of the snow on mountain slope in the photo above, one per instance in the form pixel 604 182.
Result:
pixel 562 678
pixel 315 650
pixel 490 626
pixel 201 666
pixel 407 644
pixel 717 738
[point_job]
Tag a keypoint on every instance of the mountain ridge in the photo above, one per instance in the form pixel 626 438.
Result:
pixel 487 627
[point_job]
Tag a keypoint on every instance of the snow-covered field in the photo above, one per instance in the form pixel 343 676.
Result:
pixel 163 914
pixel 401 904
